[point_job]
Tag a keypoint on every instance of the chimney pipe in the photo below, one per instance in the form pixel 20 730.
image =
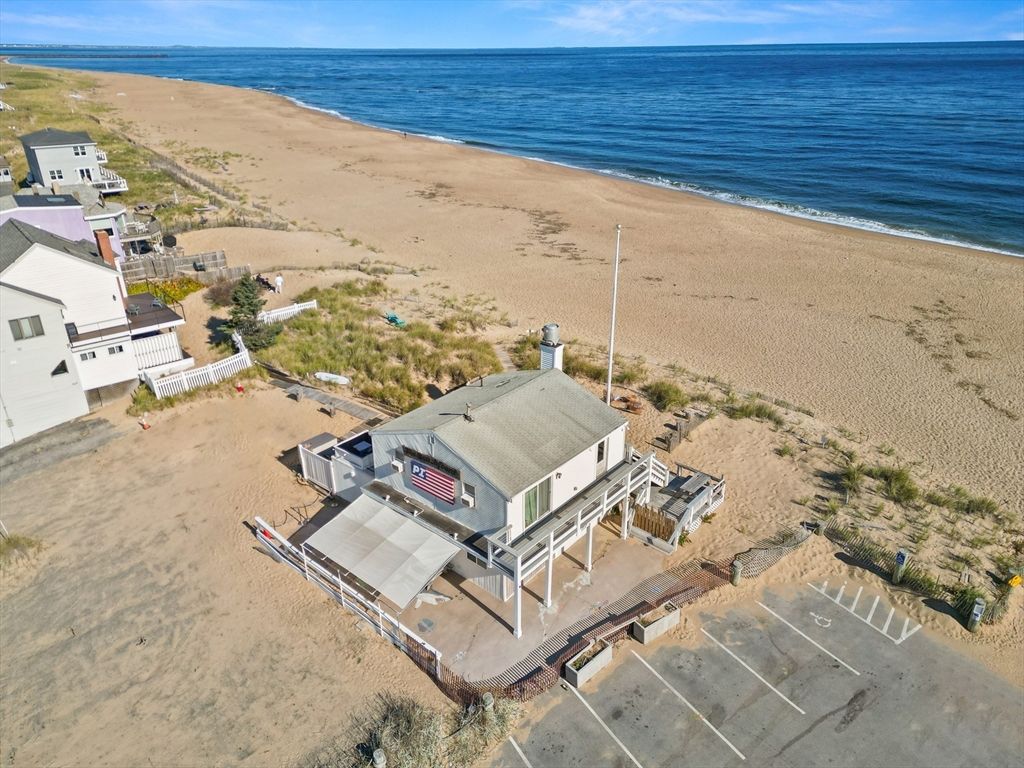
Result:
pixel 103 243
pixel 469 412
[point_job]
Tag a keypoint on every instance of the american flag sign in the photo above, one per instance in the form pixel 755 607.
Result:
pixel 433 482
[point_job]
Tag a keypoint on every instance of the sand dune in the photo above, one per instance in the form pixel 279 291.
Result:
pixel 884 335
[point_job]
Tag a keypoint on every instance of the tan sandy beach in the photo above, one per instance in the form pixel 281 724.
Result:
pixel 151 628
pixel 869 331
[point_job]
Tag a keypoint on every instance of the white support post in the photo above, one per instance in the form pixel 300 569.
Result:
pixel 305 561
pixel 590 546
pixel 437 664
pixel 551 567
pixel 380 619
pixel 518 598
pixel 625 507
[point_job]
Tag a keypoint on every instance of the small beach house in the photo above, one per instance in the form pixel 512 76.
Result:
pixel 494 480
pixel 68 157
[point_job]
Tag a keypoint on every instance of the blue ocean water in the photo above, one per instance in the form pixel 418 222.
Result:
pixel 925 140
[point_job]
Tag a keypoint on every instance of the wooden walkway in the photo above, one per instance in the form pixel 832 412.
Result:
pixel 303 392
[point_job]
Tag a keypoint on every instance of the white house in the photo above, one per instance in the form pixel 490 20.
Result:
pixel 69 157
pixel 498 478
pixel 39 382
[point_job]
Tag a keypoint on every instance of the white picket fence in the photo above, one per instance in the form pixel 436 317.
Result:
pixel 276 315
pixel 178 383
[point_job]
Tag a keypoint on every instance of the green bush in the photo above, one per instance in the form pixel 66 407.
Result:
pixel 666 396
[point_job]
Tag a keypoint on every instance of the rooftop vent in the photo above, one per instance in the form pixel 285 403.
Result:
pixel 550 348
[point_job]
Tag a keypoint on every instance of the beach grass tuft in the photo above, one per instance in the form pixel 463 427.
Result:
pixel 756 409
pixel 16 546
pixel 666 396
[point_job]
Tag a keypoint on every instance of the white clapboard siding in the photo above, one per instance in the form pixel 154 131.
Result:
pixel 157 350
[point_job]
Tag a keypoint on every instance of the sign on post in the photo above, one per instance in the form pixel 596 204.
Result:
pixel 901 557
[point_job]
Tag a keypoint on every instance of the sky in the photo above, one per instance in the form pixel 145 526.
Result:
pixel 503 23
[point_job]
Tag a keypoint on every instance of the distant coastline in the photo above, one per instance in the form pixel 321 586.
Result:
pixel 928 196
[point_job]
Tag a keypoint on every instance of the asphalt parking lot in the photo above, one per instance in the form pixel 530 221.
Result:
pixel 808 681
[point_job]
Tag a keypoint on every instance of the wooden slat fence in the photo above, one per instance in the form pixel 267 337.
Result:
pixel 654 521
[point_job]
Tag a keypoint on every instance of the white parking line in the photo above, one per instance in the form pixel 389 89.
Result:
pixel 689 705
pixel 805 637
pixel 603 725
pixel 751 671
pixel 525 761
pixel 907 632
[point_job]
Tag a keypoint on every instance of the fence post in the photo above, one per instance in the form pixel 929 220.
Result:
pixel 737 570
pixel 976 613
pixel 899 566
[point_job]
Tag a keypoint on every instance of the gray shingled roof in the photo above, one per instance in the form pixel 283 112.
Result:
pixel 54 137
pixel 526 424
pixel 16 237
pixel 27 292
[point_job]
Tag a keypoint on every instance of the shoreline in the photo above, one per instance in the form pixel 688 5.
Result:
pixel 739 199
pixel 906 342
pixel 814 215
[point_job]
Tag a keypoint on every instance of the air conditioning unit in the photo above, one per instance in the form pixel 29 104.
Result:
pixel 397 466
pixel 468 500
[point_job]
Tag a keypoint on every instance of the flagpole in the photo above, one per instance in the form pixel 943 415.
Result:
pixel 615 294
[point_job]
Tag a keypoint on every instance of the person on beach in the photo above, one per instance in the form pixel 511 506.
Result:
pixel 278 283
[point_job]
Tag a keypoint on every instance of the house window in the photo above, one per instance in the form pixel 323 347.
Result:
pixel 537 501
pixel 79 151
pixel 600 452
pixel 115 350
pixel 62 367
pixel 26 327
pixel 88 355
pixel 56 175
pixel 85 174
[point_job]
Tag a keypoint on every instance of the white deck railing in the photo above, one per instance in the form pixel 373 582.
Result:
pixel 277 315
pixel 178 383
pixel 385 624
pixel 157 350
pixel 101 156
pixel 109 182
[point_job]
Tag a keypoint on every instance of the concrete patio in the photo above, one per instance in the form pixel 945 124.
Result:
pixel 474 630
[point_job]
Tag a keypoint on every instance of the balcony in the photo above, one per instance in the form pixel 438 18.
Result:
pixel 109 183
pixel 139 227
pixel 101 156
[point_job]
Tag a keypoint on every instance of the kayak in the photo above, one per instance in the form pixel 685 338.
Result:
pixel 332 378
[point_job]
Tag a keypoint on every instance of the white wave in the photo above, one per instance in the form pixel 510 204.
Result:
pixel 304 105
pixel 803 212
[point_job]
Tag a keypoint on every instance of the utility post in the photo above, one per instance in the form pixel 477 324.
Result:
pixel 900 566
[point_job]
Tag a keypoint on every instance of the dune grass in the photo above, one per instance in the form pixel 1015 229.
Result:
pixel 16 546
pixel 389 365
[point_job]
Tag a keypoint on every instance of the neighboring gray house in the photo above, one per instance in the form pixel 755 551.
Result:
pixel 67 157
pixel 498 477
pixel 39 382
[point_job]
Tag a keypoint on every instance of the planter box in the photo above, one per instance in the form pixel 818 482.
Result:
pixel 656 628
pixel 577 677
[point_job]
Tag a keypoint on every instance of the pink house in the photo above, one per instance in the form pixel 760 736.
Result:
pixel 58 214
